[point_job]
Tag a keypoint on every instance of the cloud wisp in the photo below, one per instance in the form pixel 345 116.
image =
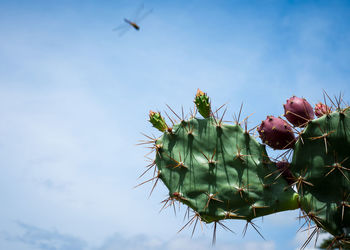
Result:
pixel 43 239
pixel 33 237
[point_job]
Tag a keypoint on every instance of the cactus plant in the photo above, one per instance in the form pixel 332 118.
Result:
pixel 221 172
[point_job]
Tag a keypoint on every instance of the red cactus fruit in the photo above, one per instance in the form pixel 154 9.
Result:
pixel 276 133
pixel 283 167
pixel 298 111
pixel 321 109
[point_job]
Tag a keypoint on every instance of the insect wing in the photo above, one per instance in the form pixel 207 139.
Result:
pixel 138 12
pixel 121 27
pixel 122 32
pixel 143 16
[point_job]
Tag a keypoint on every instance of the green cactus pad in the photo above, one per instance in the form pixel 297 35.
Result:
pixel 220 171
pixel 321 164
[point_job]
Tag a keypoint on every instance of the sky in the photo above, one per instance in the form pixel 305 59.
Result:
pixel 75 97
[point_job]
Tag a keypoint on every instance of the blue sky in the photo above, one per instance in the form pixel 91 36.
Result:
pixel 74 97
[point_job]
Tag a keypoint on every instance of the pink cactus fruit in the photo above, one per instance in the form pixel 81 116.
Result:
pixel 283 167
pixel 276 133
pixel 321 109
pixel 298 111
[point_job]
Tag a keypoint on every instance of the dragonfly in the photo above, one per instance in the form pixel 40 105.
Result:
pixel 140 14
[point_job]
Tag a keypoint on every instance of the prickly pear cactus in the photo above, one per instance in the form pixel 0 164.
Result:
pixel 219 171
pixel 321 165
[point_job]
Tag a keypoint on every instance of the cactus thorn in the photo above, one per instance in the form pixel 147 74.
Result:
pixel 210 160
pixel 255 228
pixel 239 155
pixel 338 165
pixel 211 197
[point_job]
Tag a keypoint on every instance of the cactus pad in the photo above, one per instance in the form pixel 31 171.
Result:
pixel 321 165
pixel 219 171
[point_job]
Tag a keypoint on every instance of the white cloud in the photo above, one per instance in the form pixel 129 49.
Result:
pixel 142 242
pixel 37 238
pixel 32 237
pixel 269 245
